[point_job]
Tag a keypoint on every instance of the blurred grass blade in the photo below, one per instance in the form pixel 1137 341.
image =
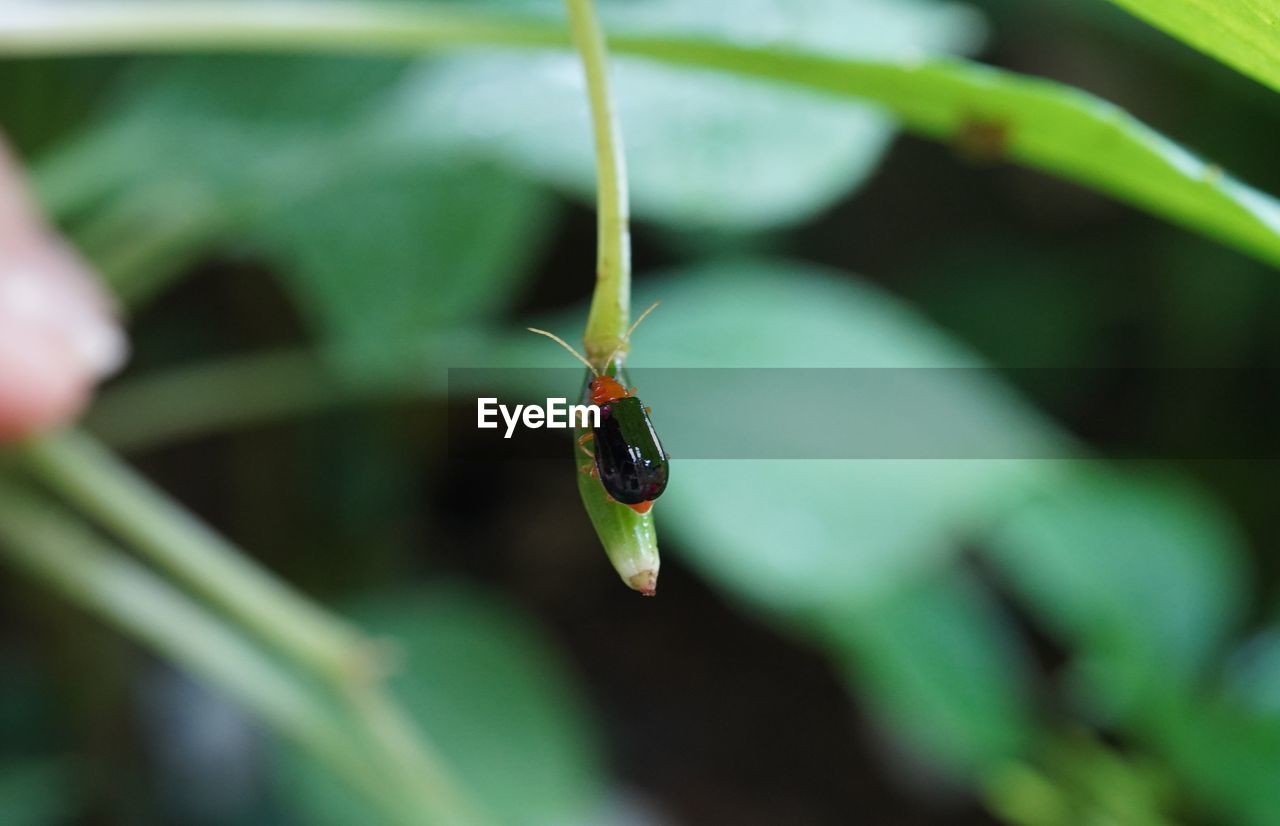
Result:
pixel 90 476
pixel 995 115
pixel 1244 34
pixel 998 114
pixel 54 547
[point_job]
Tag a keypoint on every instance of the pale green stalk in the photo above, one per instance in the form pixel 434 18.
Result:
pixel 1039 123
pixel 34 27
pixel 91 477
pixel 169 406
pixel 54 547
pixel 629 538
pixel 611 301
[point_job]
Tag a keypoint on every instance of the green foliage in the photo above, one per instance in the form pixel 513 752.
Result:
pixel 704 150
pixel 396 200
pixel 837 523
pixel 1141 576
pixel 994 115
pixel 1076 781
pixel 212 123
pixel 1241 33
pixel 987 112
pixel 1227 753
pixel 941 663
pixel 497 701
pixel 376 261
pixel 825 545
pixel 310 168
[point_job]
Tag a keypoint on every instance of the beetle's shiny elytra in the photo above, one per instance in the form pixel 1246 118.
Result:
pixel 629 458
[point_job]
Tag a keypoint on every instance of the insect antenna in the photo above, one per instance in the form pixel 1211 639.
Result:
pixel 626 339
pixel 566 346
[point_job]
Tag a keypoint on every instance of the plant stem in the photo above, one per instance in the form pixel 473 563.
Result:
pixel 629 538
pixel 88 475
pixel 202 398
pixel 270 385
pixel 37 28
pixel 938 97
pixel 93 479
pixel 56 548
pixel 611 301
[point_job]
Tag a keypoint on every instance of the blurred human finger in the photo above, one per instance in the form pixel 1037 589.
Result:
pixel 58 330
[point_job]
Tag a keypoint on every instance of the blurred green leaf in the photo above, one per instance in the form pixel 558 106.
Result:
pixel 497 703
pixel 378 240
pixel 377 261
pixel 1141 575
pixel 852 549
pixel 1226 741
pixel 995 115
pixel 807 536
pixel 704 150
pixel 1253 674
pixel 856 552
pixel 41 100
pixel 941 662
pixel 1075 780
pixel 988 112
pixel 1241 33
pixel 216 123
pixel 1228 755
pixel 803 536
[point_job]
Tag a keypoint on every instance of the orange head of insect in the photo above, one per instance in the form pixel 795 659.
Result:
pixel 605 389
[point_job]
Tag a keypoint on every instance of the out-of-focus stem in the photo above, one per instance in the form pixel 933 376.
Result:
pixel 197 399
pixel 54 547
pixel 92 478
pixel 36 28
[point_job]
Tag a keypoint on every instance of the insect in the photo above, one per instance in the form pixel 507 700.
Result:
pixel 628 458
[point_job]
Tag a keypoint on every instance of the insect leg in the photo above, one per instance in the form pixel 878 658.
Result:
pixel 582 445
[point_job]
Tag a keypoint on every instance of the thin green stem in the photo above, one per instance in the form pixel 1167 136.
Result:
pixel 91 477
pixel 38 28
pixel 628 537
pixel 233 392
pixel 1039 123
pixel 611 301
pixel 55 548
